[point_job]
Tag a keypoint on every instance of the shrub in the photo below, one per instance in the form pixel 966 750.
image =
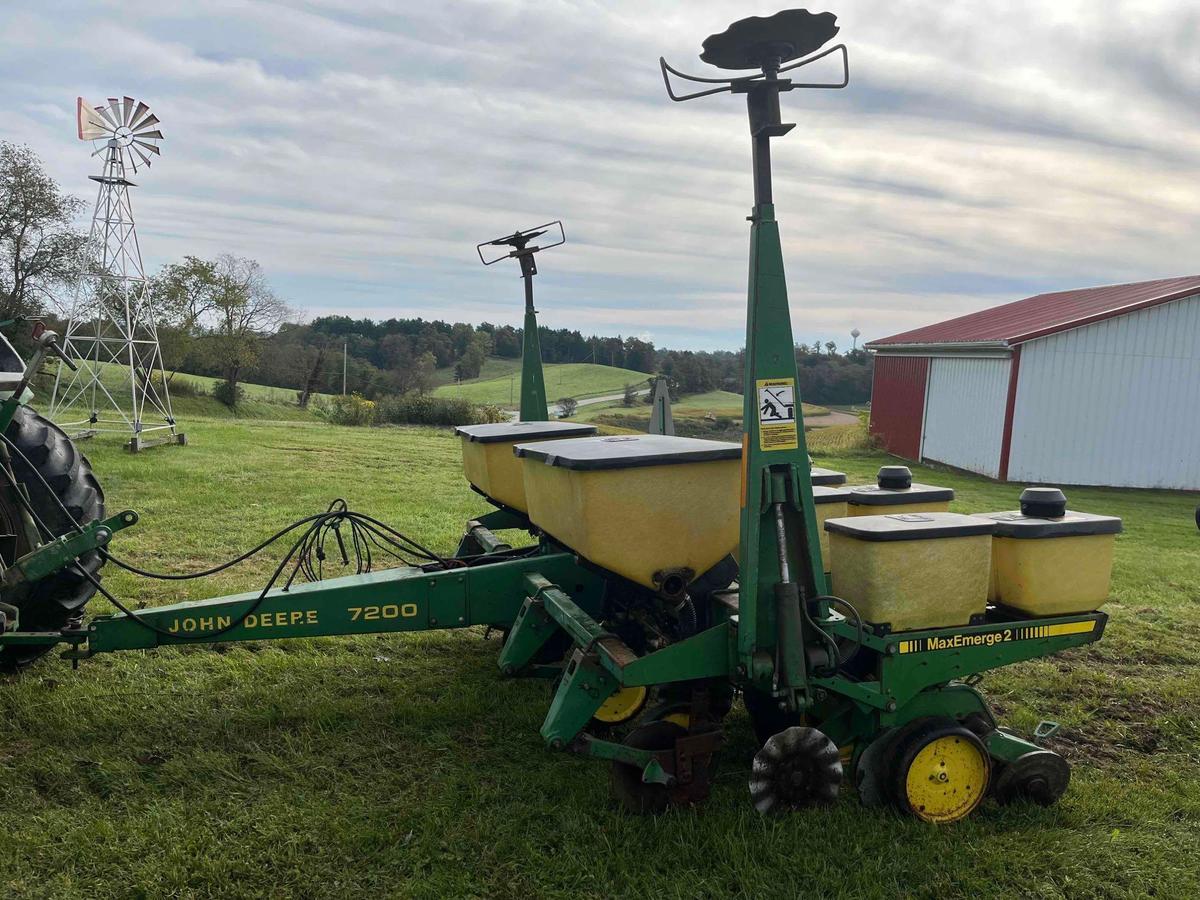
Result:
pixel 228 393
pixel 425 409
pixel 180 387
pixel 353 409
pixel 567 407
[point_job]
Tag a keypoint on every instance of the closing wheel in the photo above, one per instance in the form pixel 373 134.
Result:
pixel 1040 776
pixel 625 780
pixel 940 771
pixel 798 767
pixel 622 706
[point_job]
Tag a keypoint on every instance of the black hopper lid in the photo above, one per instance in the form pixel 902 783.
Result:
pixel 894 478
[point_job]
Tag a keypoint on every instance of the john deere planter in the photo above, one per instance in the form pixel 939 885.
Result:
pixel 668 575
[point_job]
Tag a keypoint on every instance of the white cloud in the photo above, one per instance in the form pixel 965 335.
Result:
pixel 359 150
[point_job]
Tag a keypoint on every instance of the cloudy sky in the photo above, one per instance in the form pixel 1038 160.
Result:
pixel 359 149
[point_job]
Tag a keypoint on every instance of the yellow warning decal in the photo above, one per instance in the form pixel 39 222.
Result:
pixel 991 638
pixel 777 414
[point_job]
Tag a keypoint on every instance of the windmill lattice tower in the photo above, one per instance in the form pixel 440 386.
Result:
pixel 112 328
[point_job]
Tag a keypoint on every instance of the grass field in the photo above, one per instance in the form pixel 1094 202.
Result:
pixel 406 767
pixel 562 380
pixel 715 415
pixel 493 367
pixel 261 401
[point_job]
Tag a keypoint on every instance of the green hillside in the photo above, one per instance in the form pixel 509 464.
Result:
pixel 116 378
pixel 494 367
pixel 562 380
pixel 190 397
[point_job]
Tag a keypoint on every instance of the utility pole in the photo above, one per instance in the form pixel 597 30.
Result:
pixel 344 355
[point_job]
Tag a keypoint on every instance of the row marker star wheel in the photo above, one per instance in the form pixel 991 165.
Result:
pixel 796 768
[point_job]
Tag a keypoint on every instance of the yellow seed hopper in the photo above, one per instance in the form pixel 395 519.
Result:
pixel 488 460
pixel 652 508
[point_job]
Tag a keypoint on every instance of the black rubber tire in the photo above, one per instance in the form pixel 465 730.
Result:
pixel 1039 776
pixel 58 601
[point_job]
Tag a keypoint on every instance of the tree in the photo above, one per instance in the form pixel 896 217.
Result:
pixel 420 378
pixel 396 351
pixel 507 342
pixel 39 247
pixel 831 347
pixel 183 294
pixel 312 356
pixel 567 407
pixel 228 302
pixel 474 356
pixel 245 312
pixel 639 355
pixel 630 397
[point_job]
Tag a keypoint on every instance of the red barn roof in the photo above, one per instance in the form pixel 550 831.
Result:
pixel 1035 317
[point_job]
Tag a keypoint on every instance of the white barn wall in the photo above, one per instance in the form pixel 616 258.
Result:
pixel 964 412
pixel 1113 403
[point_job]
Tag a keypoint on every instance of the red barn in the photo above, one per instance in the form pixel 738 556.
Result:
pixel 1093 386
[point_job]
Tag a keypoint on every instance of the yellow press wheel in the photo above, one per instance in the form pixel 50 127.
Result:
pixel 622 706
pixel 940 771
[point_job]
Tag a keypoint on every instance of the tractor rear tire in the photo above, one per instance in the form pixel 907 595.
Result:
pixel 54 474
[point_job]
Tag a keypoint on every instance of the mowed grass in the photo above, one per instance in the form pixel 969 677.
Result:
pixel 562 380
pixel 406 766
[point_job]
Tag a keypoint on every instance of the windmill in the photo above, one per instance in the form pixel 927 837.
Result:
pixel 112 328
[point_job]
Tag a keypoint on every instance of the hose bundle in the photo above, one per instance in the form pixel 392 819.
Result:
pixel 363 539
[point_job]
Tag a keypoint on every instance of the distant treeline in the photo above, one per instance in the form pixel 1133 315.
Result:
pixel 397 356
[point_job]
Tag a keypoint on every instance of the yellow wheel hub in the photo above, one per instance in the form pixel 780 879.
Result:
pixel 682 719
pixel 622 706
pixel 947 780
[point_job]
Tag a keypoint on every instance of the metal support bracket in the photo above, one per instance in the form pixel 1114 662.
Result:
pixel 58 554
pixel 584 687
pixel 530 631
pixel 480 541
